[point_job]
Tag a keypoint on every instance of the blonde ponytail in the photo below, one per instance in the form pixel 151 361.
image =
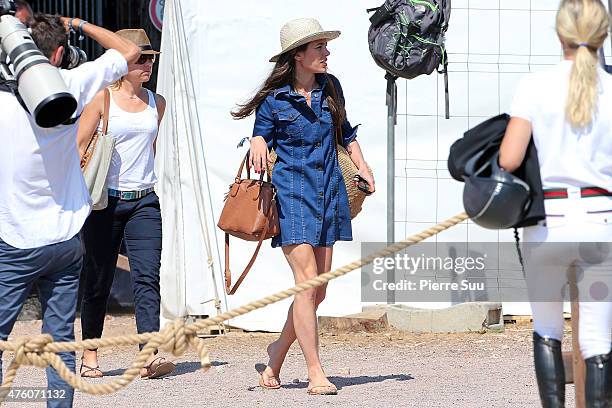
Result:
pixel 582 25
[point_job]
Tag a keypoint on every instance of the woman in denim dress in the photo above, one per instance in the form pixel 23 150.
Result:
pixel 300 113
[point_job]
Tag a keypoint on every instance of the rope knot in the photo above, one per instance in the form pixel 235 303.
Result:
pixel 175 337
pixel 28 350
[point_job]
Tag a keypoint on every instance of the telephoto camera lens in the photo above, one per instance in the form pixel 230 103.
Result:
pixel 40 84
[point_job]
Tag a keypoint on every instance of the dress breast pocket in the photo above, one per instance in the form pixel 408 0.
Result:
pixel 326 116
pixel 289 123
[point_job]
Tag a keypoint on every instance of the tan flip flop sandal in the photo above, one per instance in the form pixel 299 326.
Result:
pixel 91 372
pixel 158 368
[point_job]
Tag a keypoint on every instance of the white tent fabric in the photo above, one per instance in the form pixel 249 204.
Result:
pixel 188 278
pixel 214 55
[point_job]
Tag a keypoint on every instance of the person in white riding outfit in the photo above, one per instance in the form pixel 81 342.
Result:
pixel 568 109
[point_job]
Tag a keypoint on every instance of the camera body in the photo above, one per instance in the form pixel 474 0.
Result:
pixel 7 7
pixel 73 57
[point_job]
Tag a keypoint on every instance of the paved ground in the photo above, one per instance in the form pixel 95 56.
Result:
pixel 390 369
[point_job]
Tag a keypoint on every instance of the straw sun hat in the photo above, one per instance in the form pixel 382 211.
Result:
pixel 302 31
pixel 139 37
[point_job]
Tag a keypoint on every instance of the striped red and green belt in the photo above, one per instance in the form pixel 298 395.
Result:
pixel 553 193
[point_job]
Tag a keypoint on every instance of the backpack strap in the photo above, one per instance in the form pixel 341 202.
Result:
pixel 392 95
pixel 446 10
pixel 381 14
pixel 446 7
pixel 445 72
pixel 446 96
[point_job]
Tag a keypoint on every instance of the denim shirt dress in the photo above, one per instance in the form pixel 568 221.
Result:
pixel 311 196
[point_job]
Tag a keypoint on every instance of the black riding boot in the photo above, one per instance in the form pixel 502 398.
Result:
pixel 549 371
pixel 598 387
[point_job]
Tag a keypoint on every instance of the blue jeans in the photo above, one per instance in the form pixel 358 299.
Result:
pixel 139 223
pixel 55 270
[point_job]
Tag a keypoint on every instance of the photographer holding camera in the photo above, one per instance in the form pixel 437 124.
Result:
pixel 43 198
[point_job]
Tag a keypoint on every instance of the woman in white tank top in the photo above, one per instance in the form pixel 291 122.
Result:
pixel 569 111
pixel 133 212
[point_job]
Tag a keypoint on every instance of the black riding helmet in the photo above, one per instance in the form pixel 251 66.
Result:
pixel 492 197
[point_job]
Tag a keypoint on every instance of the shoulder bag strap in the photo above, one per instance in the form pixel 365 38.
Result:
pixel 228 274
pixel 334 94
pixel 91 145
pixel 106 109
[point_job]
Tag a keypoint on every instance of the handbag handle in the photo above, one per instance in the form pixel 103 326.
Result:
pixel 228 275
pixel 242 164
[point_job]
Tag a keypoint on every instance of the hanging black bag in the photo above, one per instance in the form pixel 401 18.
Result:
pixel 406 38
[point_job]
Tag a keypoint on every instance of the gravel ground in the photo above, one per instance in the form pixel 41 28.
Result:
pixel 390 369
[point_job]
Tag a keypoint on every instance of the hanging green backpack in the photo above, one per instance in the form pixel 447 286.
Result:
pixel 406 38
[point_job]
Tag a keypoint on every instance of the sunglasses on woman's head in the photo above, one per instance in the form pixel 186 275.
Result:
pixel 144 58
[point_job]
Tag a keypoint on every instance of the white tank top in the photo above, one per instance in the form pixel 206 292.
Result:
pixel 132 164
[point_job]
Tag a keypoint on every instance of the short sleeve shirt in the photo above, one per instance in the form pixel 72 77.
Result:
pixel 568 157
pixel 43 196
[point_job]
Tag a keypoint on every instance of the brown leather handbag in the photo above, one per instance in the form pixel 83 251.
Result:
pixel 249 213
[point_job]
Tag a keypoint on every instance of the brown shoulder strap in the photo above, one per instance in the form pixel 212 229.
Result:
pixel 228 274
pixel 334 94
pixel 107 97
pixel 94 137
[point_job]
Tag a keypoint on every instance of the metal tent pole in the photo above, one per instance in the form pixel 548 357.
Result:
pixel 391 122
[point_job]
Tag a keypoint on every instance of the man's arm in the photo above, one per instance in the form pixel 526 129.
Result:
pixel 106 38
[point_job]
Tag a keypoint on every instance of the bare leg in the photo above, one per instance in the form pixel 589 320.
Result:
pixel 89 365
pixel 277 350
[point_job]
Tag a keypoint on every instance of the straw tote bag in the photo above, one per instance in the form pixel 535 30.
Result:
pixel 356 197
pixel 249 213
pixel 97 158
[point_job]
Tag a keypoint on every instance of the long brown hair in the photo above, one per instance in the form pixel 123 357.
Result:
pixel 283 74
pixel 583 26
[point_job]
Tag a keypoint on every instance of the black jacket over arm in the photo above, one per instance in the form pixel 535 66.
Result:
pixel 487 135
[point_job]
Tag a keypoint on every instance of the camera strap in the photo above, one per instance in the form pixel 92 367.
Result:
pixel 11 86
pixel 71 121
